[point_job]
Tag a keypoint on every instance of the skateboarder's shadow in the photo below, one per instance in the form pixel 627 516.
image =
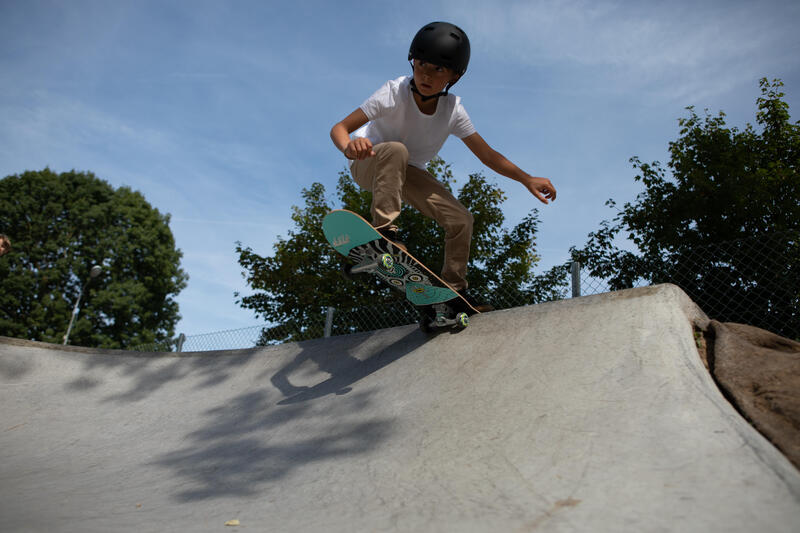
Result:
pixel 347 360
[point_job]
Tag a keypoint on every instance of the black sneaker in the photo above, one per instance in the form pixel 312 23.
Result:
pixel 475 300
pixel 391 236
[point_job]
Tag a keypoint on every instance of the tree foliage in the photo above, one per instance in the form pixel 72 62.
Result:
pixel 295 285
pixel 63 224
pixel 725 185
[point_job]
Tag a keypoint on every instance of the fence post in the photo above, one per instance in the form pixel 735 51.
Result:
pixel 179 343
pixel 575 269
pixel 329 322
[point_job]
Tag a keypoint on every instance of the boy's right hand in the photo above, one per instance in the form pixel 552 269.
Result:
pixel 359 148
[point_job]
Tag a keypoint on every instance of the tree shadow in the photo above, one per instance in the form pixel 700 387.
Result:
pixel 246 426
pixel 13 366
pixel 248 444
pixel 147 373
pixel 254 439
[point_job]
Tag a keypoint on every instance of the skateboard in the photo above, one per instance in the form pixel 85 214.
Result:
pixel 368 251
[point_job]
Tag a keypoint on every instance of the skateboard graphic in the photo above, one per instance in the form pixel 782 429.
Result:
pixel 369 251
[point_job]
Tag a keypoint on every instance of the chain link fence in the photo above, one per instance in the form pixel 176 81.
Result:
pixel 752 281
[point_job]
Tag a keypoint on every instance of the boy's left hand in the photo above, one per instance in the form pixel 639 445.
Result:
pixel 541 188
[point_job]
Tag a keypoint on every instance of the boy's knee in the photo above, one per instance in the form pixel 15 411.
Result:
pixel 392 149
pixel 467 220
pixel 460 224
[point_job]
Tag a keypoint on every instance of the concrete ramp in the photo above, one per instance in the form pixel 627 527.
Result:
pixel 593 414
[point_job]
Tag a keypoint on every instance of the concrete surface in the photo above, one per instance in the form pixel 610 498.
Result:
pixel 593 414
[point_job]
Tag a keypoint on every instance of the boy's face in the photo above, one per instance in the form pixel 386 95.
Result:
pixel 432 79
pixel 5 246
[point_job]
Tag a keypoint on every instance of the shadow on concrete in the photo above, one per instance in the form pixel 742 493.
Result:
pixel 246 424
pixel 252 440
pixel 249 444
pixel 344 369
pixel 14 368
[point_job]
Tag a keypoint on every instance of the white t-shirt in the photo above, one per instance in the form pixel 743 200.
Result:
pixel 394 116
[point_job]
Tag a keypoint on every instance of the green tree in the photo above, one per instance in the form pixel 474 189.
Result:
pixel 295 285
pixel 716 225
pixel 61 225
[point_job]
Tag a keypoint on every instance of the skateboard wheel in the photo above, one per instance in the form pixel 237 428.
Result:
pixel 347 273
pixel 425 325
pixel 387 261
pixel 462 320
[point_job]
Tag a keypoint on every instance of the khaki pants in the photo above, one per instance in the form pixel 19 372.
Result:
pixel 392 180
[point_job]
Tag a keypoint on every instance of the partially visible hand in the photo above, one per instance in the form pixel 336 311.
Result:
pixel 359 148
pixel 541 188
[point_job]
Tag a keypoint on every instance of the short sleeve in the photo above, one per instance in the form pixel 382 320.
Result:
pixel 381 100
pixel 461 125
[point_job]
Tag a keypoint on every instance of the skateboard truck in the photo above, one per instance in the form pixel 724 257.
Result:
pixel 442 319
pixel 383 261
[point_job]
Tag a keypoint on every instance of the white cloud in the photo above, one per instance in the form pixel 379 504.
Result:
pixel 672 48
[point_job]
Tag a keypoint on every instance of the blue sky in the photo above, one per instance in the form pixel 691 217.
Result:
pixel 219 111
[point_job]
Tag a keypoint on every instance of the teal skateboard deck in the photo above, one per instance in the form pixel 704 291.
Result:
pixel 369 251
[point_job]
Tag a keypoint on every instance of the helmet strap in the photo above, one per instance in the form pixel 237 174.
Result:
pixel 430 97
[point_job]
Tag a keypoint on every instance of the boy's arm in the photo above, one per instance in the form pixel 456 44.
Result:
pixel 541 188
pixel 359 148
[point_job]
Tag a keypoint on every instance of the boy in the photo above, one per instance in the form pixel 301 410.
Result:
pixel 5 244
pixel 403 125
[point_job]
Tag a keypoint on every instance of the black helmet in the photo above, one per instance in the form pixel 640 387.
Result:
pixel 441 43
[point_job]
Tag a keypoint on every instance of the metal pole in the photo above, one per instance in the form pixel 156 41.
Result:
pixel 329 322
pixel 74 314
pixel 93 273
pixel 181 340
pixel 575 269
